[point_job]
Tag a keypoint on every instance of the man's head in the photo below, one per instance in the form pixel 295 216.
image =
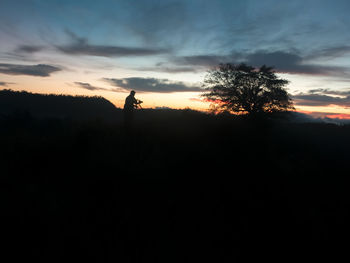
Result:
pixel 132 93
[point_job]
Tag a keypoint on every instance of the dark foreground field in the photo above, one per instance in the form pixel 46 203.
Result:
pixel 181 186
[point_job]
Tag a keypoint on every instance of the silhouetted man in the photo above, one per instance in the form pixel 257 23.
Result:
pixel 130 104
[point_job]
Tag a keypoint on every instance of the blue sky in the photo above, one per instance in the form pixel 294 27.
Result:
pixel 167 46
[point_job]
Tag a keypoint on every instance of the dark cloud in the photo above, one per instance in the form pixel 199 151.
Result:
pixel 5 84
pixel 90 87
pixel 29 48
pixel 292 63
pixel 282 61
pixel 323 97
pixel 320 100
pixel 87 86
pixel 80 46
pixel 331 52
pixel 152 85
pixel 40 70
pixel 330 92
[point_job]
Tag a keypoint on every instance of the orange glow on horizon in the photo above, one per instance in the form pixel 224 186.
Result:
pixel 63 83
pixel 343 116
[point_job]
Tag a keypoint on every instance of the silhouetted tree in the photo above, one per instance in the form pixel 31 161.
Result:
pixel 245 89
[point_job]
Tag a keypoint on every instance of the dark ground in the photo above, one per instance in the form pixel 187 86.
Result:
pixel 181 187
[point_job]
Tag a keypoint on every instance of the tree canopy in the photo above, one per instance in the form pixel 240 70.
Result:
pixel 245 89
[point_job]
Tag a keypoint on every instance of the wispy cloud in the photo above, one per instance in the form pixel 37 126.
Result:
pixel 331 52
pixel 41 70
pixel 29 48
pixel 88 86
pixel 152 85
pixel 80 46
pixel 108 51
pixel 200 63
pixel 323 97
pixel 169 69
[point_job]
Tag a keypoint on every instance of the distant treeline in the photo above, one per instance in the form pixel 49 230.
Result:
pixel 56 106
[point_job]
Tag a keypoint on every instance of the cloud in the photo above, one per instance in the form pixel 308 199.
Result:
pixel 331 92
pixel 29 48
pixel 169 69
pixel 320 100
pixel 323 97
pixel 80 46
pixel 331 52
pixel 200 63
pixel 108 51
pixel 203 60
pixel 40 70
pixel 283 62
pixel 152 85
pixel 293 63
pixel 196 99
pixel 88 86
pixel 5 84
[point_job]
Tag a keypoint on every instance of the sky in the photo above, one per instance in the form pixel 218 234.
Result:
pixel 163 49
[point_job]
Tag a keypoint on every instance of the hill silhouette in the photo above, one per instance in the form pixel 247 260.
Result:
pixel 185 186
pixel 56 106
